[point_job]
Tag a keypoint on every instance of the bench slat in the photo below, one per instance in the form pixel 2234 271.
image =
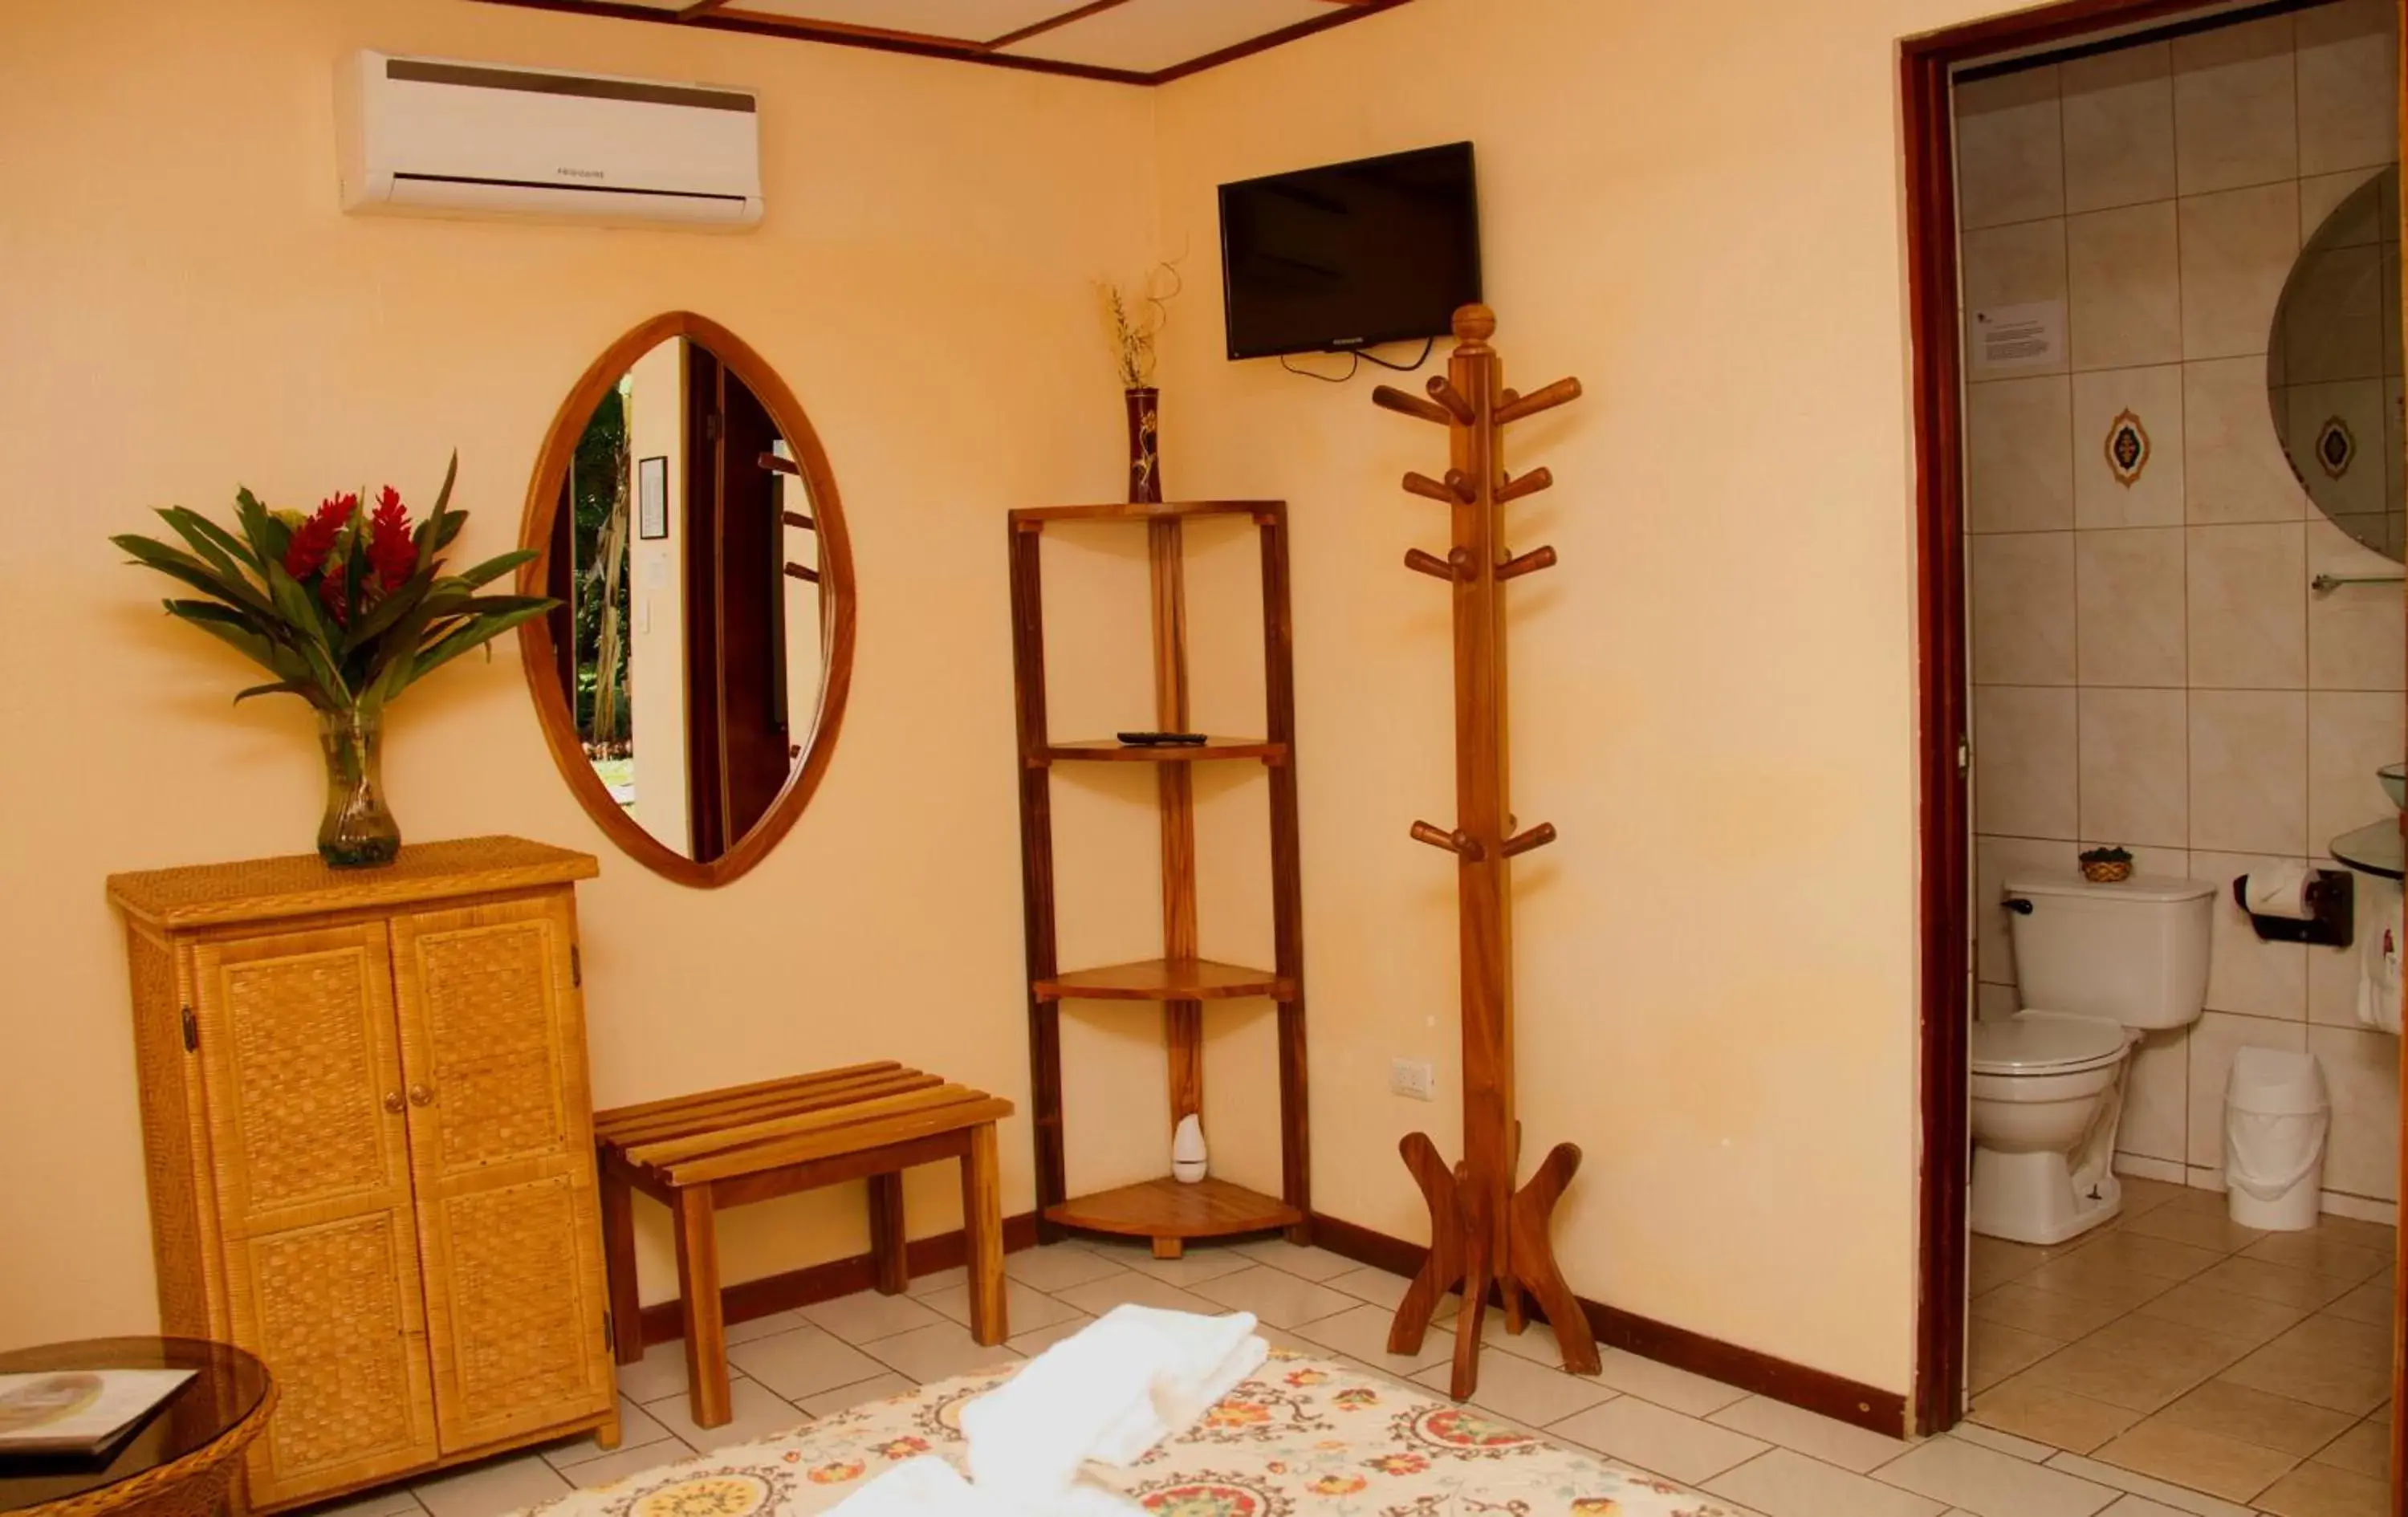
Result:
pixel 677 1103
pixel 842 1114
pixel 762 1108
pixel 972 1110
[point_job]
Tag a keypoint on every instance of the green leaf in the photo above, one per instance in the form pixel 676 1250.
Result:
pixel 493 568
pixel 282 687
pixel 224 552
pixel 473 633
pixel 269 537
pixel 181 565
pixel 313 636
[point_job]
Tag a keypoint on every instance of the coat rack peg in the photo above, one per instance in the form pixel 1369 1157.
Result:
pixel 1451 399
pixel 797 519
pixel 1537 836
pixel 1561 393
pixel 1429 564
pixel 1515 488
pixel 1530 563
pixel 1428 489
pixel 1465 491
pixel 1389 399
pixel 1461 844
pixel 797 571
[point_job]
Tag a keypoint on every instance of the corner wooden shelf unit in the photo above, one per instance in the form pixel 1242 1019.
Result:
pixel 1181 981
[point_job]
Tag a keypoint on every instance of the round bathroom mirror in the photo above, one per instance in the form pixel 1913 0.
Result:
pixel 692 681
pixel 2333 370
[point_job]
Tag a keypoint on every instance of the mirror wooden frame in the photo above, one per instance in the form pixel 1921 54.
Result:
pixel 538 649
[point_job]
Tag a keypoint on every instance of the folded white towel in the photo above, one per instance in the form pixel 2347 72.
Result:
pixel 1109 1393
pixel 929 1487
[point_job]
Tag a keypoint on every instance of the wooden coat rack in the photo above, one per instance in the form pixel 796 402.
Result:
pixel 1483 1229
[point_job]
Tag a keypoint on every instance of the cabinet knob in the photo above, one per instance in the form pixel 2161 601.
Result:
pixel 393 1102
pixel 420 1096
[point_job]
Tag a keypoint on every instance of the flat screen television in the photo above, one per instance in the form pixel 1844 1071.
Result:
pixel 1323 260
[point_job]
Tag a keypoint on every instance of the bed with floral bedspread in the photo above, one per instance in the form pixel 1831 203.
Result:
pixel 1303 1437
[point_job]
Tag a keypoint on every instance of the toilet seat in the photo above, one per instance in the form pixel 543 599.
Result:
pixel 2033 1043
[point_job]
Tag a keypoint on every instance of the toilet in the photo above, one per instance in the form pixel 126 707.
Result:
pixel 2097 965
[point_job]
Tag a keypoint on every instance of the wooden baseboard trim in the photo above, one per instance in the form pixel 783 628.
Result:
pixel 1816 1390
pixel 665 1321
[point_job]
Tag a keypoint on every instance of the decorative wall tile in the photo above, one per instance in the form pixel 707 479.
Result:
pixel 2237 250
pixel 2212 1038
pixel 2355 639
pixel 2022 586
pixel 2249 606
pixel 2152 398
pixel 2233 464
pixel 2020 264
pixel 2247 974
pixel 2024 760
pixel 2249 771
pixel 1996 861
pixel 2156 1097
pixel 2129 593
pixel 2135 765
pixel 2119 127
pixel 2124 286
pixel 2019 454
pixel 2362 1075
pixel 2235 112
pixel 2348 83
pixel 2010 157
pixel 2337 429
pixel 2351 734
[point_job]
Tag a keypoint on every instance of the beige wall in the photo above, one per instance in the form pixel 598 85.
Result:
pixel 1695 207
pixel 2150 666
pixel 185 307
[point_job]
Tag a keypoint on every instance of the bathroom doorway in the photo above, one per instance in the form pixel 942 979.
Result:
pixel 2160 608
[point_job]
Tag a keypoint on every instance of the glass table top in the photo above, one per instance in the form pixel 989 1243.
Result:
pixel 227 1386
pixel 2375 849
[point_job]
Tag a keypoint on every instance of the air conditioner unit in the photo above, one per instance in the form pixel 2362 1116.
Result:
pixel 433 136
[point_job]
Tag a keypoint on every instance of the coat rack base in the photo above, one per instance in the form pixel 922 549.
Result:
pixel 1464 1238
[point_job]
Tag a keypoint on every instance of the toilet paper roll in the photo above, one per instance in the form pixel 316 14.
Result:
pixel 2279 890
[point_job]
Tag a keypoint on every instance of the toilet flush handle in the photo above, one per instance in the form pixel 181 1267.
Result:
pixel 2019 906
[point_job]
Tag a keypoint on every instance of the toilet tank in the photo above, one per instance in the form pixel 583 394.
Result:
pixel 2134 951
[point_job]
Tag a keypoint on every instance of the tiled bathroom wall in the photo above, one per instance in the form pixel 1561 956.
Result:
pixel 2150 666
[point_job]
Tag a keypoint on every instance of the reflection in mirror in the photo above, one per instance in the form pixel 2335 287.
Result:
pixel 2334 368
pixel 692 538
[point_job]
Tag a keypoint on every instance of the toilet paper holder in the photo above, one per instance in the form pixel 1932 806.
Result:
pixel 2331 893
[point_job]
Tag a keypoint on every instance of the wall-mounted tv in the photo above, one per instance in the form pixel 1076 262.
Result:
pixel 1324 260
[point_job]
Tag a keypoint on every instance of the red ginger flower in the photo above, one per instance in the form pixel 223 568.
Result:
pixel 313 539
pixel 391 552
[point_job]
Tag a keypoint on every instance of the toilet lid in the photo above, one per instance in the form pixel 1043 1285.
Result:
pixel 2044 1042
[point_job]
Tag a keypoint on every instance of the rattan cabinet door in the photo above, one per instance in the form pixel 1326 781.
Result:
pixel 501 1140
pixel 308 1149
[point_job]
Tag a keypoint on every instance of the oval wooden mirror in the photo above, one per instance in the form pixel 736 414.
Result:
pixel 692 683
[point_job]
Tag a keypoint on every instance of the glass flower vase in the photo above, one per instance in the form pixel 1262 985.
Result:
pixel 357 832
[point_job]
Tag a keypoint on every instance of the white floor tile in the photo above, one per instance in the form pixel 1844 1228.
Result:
pixel 1026 1309
pixel 878 1387
pixel 1362 1332
pixel 1038 1341
pixel 1097 1296
pixel 1376 1286
pixel 2198 1503
pixel 866 1315
pixel 2135 1505
pixel 757 1413
pixel 1058 1267
pixel 1680 1448
pixel 775 1323
pixel 940 1352
pixel 937 1281
pixel 1783 1482
pixel 1990 1437
pixel 392 1501
pixel 1199 1264
pixel 491 1488
pixel 801 1361
pixel 1664 1385
pixel 1825 1439
pixel 1531 1394
pixel 626 1462
pixel 1273 1296
pixel 637 1428
pixel 660 1372
pixel 1309 1263
pixel 1991 1483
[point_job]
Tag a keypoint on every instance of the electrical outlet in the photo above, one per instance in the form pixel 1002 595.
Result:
pixel 1411 1077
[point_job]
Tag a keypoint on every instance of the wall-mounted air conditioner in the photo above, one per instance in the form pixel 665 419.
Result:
pixel 439 138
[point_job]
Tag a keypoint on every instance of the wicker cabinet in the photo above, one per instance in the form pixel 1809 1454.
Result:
pixel 370 1150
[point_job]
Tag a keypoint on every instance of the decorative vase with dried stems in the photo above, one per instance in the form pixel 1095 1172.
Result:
pixel 1135 325
pixel 348 607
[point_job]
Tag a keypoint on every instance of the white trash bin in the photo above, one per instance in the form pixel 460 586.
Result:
pixel 2275 1116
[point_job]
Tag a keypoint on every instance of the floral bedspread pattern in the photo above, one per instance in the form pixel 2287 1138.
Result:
pixel 1303 1439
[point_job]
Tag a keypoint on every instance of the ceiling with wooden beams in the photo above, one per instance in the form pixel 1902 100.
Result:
pixel 1127 42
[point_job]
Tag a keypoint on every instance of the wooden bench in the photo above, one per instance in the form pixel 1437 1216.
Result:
pixel 696 1154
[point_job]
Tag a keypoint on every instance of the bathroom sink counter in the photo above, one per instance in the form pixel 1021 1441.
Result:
pixel 2374 849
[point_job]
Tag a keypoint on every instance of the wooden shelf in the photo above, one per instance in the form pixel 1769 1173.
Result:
pixel 1113 750
pixel 1165 1208
pixel 1165 980
pixel 1143 510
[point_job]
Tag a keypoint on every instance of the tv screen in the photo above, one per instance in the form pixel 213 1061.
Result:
pixel 1382 250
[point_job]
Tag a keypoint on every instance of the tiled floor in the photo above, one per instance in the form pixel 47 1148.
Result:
pixel 2176 1344
pixel 1756 1455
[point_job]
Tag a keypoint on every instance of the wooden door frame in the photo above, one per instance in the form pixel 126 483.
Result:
pixel 1944 840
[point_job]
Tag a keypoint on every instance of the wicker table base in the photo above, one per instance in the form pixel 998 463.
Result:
pixel 184 1463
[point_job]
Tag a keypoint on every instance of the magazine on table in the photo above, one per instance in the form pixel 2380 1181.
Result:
pixel 82 1413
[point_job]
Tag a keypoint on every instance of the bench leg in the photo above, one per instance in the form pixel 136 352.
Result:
pixel 983 1233
pixel 618 1263
pixel 706 1329
pixel 888 1242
